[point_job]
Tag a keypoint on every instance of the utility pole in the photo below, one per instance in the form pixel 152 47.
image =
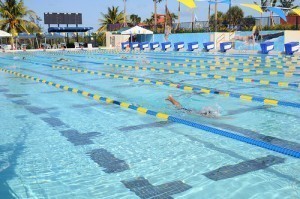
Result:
pixel 178 26
pixel 216 15
pixel 125 24
pixel 208 13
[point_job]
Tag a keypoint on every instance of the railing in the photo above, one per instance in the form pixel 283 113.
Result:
pixel 219 39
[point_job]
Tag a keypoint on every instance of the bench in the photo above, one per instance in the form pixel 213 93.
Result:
pixel 266 47
pixel 124 45
pixel 166 45
pixel 154 45
pixel 134 45
pixel 192 46
pixel 225 46
pixel 144 45
pixel 209 46
pixel 291 47
pixel 178 45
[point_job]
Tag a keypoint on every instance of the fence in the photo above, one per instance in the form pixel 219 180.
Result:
pixel 205 26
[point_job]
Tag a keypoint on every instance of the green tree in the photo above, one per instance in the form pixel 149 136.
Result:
pixel 234 15
pixel 135 19
pixel 221 17
pixel 113 16
pixel 14 17
pixel 149 22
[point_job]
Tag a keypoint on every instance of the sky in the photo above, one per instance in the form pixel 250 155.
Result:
pixel 91 9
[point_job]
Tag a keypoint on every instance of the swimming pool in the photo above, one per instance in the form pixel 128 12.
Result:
pixel 98 125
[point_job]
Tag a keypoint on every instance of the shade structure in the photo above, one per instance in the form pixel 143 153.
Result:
pixel 136 30
pixel 26 36
pixel 188 3
pixel 253 6
pixel 54 36
pixel 297 11
pixel 69 29
pixel 278 11
pixel 4 34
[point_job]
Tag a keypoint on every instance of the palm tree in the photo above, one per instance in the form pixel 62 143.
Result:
pixel 13 15
pixel 289 4
pixel 113 16
pixel 155 12
pixel 234 16
pixel 148 21
pixel 135 19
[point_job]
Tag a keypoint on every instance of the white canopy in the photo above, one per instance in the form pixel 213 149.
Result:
pixel 137 30
pixel 4 34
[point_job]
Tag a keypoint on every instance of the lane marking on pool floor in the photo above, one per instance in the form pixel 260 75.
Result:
pixel 217 61
pixel 270 58
pixel 216 65
pixel 244 97
pixel 207 75
pixel 163 116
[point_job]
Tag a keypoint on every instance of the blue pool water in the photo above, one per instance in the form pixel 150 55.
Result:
pixel 59 144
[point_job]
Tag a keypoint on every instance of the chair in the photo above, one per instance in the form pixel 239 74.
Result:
pixel 54 46
pixel 76 44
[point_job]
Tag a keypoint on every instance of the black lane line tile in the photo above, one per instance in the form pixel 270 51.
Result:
pixel 230 171
pixel 149 125
pixel 21 116
pixel 85 105
pixel 36 110
pixel 52 121
pixel 3 90
pixel 21 102
pixel 77 138
pixel 144 189
pixel 108 161
pixel 64 79
pixel 29 83
pixel 15 95
pixel 257 136
pixel 236 155
pixel 50 92
pixel 243 110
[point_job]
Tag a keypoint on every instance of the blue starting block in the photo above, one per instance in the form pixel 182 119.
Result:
pixel 134 45
pixel 192 46
pixel 209 46
pixel 266 47
pixel 178 45
pixel 166 45
pixel 124 45
pixel 144 45
pixel 225 46
pixel 291 47
pixel 154 45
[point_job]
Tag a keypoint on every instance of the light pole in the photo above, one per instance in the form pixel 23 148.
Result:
pixel 216 15
pixel 125 24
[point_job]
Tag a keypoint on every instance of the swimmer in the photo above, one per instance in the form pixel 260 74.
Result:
pixel 62 59
pixel 18 58
pixel 123 57
pixel 206 111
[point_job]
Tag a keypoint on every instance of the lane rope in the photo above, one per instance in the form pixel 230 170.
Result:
pixel 204 90
pixel 164 116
